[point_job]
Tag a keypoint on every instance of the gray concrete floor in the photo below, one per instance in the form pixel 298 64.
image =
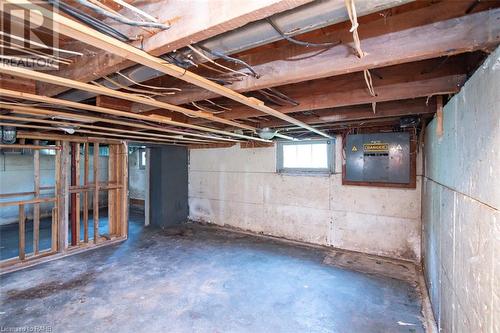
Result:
pixel 205 280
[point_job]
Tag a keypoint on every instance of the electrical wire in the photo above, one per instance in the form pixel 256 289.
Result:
pixel 203 108
pixel 218 105
pixel 11 46
pixel 145 85
pixel 231 59
pixel 23 59
pixel 122 19
pixel 195 50
pixel 141 91
pixel 91 21
pixel 299 42
pixel 136 10
pixel 2 33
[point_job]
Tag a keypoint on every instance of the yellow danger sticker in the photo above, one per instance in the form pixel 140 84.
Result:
pixel 376 147
pixel 354 148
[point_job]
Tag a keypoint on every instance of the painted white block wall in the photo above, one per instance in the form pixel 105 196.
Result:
pixel 461 202
pixel 16 175
pixel 240 188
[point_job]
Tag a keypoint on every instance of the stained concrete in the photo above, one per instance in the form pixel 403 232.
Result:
pixel 461 205
pixel 206 280
pixel 240 188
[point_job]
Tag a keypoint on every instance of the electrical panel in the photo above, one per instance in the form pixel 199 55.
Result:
pixel 378 158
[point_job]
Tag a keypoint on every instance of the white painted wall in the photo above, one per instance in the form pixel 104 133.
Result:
pixel 461 201
pixel 137 177
pixel 16 175
pixel 240 188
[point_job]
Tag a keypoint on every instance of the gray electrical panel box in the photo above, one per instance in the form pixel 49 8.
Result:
pixel 380 158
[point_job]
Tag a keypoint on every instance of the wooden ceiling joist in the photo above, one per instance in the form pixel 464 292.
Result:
pixel 98 133
pixel 392 109
pixel 81 106
pixel 124 132
pixel 87 35
pixel 212 18
pixel 285 65
pixel 44 77
pixel 324 98
pixel 25 110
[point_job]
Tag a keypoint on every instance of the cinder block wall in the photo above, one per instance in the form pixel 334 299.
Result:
pixel 240 188
pixel 461 201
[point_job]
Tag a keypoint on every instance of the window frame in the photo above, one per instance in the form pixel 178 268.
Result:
pixel 306 171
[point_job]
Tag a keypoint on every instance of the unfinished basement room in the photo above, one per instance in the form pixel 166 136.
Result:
pixel 250 166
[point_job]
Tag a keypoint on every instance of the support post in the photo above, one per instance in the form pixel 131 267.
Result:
pixel 22 228
pixel 36 206
pixel 85 194
pixel 96 192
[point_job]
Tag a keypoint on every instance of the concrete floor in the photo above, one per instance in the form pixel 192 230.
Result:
pixel 205 280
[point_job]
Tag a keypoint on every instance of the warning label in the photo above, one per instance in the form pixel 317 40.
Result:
pixel 376 147
pixel 354 148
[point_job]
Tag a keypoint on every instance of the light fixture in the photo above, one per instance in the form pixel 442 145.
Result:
pixel 9 134
pixel 69 130
pixel 266 133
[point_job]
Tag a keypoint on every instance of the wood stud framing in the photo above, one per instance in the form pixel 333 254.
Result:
pixel 116 186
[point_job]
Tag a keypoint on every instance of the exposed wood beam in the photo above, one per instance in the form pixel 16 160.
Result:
pixel 85 118
pixel 207 20
pixel 80 106
pixel 479 31
pixel 314 18
pixel 31 74
pixel 59 137
pixel 81 32
pixel 98 133
pixel 364 112
pixel 10 82
pixel 124 132
pixel 331 98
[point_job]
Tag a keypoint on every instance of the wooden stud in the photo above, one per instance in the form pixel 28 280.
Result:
pixel 22 228
pixel 96 192
pixel 53 230
pixel 77 183
pixel 124 190
pixel 63 196
pixel 26 202
pixel 36 206
pixel 23 146
pixel 112 203
pixel 85 194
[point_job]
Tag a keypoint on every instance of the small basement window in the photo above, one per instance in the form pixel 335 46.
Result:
pixel 315 156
